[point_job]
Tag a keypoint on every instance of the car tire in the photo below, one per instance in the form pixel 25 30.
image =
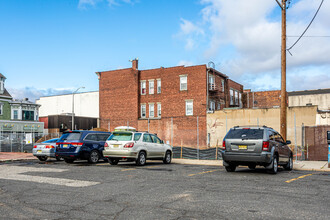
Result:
pixel 141 160
pixel 274 168
pixel 113 161
pixel 168 157
pixel 42 158
pixel 289 165
pixel 231 168
pixel 68 160
pixel 252 167
pixel 58 158
pixel 94 157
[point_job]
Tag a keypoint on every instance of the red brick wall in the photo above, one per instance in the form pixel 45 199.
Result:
pixel 45 121
pixel 264 99
pixel 232 85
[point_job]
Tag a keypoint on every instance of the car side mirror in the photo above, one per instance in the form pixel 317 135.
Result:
pixel 288 142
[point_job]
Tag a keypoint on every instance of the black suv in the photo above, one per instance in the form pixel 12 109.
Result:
pixel 85 145
pixel 253 145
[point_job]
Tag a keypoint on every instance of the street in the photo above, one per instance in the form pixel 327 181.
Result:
pixel 56 190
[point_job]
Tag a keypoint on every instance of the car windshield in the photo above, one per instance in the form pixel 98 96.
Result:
pixel 245 134
pixel 70 136
pixel 51 141
pixel 121 136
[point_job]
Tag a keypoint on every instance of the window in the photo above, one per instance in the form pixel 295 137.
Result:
pixel 28 115
pixel 155 139
pixel 147 138
pixel 189 107
pixel 151 87
pixel 143 87
pixel 212 105
pixel 102 137
pixel 121 136
pixel 151 111
pixel 223 85
pixel 231 97
pixel 159 110
pixel 219 106
pixel 245 134
pixel 159 86
pixel 211 82
pixel 240 99
pixel 143 111
pixel 91 137
pixel 236 98
pixel 1 108
pixel 70 136
pixel 183 82
pixel 137 136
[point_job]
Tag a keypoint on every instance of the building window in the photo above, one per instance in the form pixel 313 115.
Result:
pixel 189 107
pixel 151 111
pixel 143 111
pixel 211 82
pixel 1 108
pixel 16 114
pixel 219 106
pixel 223 85
pixel 159 110
pixel 159 86
pixel 183 82
pixel 236 97
pixel 212 106
pixel 240 99
pixel 143 87
pixel 231 97
pixel 28 115
pixel 151 87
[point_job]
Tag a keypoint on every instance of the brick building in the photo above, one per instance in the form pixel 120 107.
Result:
pixel 262 99
pixel 172 102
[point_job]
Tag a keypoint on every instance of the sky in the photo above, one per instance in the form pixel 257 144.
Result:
pixel 50 47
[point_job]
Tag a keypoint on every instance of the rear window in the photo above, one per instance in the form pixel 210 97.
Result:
pixel 51 141
pixel 70 136
pixel 121 136
pixel 245 134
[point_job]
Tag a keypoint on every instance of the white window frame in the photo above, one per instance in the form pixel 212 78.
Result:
pixel 143 86
pixel 151 110
pixel 219 106
pixel 189 104
pixel 231 93
pixel 236 97
pixel 159 86
pixel 1 108
pixel 212 105
pixel 14 114
pixel 143 108
pixel 182 83
pixel 240 99
pixel 151 87
pixel 211 82
pixel 159 110
pixel 222 85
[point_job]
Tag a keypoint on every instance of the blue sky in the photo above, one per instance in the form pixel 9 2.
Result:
pixel 53 47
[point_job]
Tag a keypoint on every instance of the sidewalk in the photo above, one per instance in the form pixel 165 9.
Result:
pixel 298 165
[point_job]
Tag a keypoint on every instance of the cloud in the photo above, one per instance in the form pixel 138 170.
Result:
pixel 83 4
pixel 185 63
pixel 245 36
pixel 32 93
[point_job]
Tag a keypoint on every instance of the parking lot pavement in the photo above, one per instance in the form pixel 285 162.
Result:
pixel 53 190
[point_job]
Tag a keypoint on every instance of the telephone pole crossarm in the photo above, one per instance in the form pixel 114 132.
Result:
pixel 280 4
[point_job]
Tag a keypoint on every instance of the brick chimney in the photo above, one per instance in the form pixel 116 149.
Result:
pixel 135 64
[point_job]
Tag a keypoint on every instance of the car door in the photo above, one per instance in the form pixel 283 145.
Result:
pixel 285 149
pixel 158 146
pixel 281 149
pixel 148 144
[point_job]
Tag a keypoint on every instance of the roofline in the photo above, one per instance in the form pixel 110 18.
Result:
pixel 65 94
pixel 309 92
pixel 218 72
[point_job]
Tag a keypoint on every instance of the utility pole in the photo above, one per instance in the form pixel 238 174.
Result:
pixel 283 114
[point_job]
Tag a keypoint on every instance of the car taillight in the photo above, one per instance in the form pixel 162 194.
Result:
pixel 265 146
pixel 224 145
pixel 35 146
pixel 49 146
pixel 106 144
pixel 129 145
pixel 74 144
pixel 77 144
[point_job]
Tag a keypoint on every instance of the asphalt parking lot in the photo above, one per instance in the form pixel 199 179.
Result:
pixel 56 190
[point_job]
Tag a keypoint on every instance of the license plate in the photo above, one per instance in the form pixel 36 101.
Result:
pixel 39 151
pixel 115 145
pixel 242 147
pixel 65 145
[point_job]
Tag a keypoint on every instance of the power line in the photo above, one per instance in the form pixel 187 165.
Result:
pixel 306 28
pixel 308 36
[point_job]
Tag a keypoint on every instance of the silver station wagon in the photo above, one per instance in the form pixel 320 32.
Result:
pixel 130 145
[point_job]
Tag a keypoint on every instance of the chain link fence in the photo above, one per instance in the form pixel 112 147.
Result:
pixel 22 142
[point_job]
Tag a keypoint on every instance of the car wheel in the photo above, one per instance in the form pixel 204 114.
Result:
pixel 68 160
pixel 289 165
pixel 42 158
pixel 94 157
pixel 141 160
pixel 274 168
pixel 58 158
pixel 168 157
pixel 252 167
pixel 113 161
pixel 231 168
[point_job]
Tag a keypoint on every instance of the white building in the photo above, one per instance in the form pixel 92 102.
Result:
pixel 86 104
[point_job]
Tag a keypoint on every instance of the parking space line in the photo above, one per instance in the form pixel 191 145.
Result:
pixel 102 164
pixel 202 172
pixel 128 169
pixel 300 177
